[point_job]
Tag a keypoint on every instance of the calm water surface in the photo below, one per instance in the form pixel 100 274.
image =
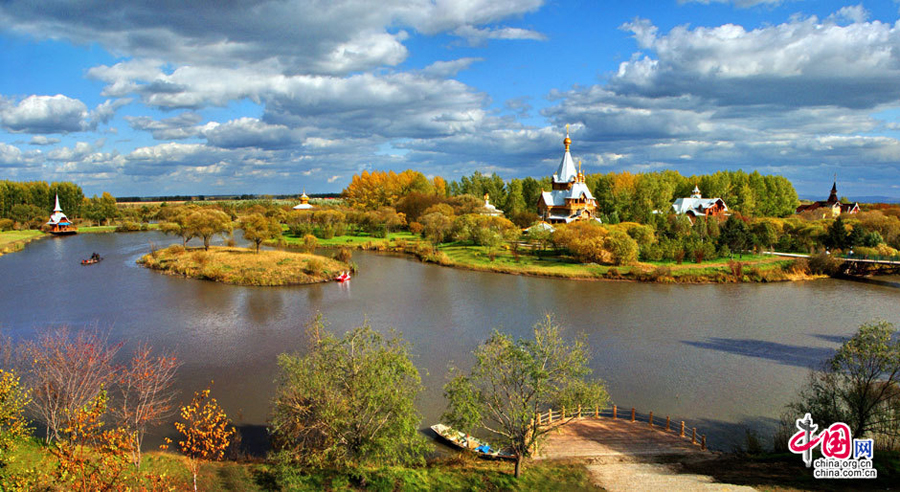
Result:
pixel 723 357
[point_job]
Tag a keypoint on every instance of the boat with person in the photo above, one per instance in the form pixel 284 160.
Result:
pixel 95 258
pixel 343 277
pixel 471 443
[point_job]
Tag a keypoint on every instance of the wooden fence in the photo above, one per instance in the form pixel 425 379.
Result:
pixel 552 416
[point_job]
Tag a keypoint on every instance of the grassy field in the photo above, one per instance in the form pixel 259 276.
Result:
pixel 33 460
pixel 96 229
pixel 241 266
pixel 12 241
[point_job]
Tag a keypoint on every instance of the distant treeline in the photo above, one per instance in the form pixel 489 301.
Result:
pixel 215 198
pixel 627 197
pixel 24 201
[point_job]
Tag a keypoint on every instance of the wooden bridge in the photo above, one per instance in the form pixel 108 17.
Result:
pixel 630 452
pixel 592 433
pixel 857 266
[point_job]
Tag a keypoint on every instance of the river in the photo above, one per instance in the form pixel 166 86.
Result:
pixel 723 357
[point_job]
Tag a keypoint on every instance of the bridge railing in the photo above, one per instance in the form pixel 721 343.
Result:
pixel 856 256
pixel 678 428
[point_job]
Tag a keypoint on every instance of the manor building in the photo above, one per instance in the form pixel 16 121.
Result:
pixel 570 199
pixel 697 206
pixel 833 204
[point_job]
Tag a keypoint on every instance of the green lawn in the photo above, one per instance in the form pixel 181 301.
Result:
pixel 9 237
pixel 92 229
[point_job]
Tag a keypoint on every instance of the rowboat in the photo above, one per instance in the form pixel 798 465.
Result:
pixel 343 277
pixel 95 258
pixel 464 441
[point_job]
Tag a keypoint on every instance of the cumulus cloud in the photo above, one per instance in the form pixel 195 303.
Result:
pixel 43 140
pixel 443 69
pixel 249 132
pixel 179 127
pixel 334 38
pixel 11 156
pixel 803 62
pixel 44 114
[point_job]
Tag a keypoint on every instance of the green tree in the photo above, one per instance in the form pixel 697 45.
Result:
pixel 860 384
pixel 258 228
pixel 837 237
pixel 206 223
pixel 512 380
pixel 348 401
pixel 735 235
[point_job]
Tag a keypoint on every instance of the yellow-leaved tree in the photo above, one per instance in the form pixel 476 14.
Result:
pixel 206 431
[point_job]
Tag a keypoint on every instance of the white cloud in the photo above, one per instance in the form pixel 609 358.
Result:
pixel 334 178
pixel 477 36
pixel 249 132
pixel 43 140
pixel 44 114
pixel 443 69
pixel 179 127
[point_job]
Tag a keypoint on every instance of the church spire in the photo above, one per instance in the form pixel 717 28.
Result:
pixel 567 141
pixel 57 208
pixel 832 198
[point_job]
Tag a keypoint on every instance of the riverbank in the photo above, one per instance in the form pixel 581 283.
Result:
pixel 239 266
pixel 746 269
pixel 12 241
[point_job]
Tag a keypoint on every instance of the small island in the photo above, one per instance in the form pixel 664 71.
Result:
pixel 239 266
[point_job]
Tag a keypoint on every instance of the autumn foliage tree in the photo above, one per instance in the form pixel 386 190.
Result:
pixel 13 424
pixel 205 431
pixel 65 371
pixel 259 228
pixel 146 394
pixel 206 223
pixel 370 191
pixel 91 457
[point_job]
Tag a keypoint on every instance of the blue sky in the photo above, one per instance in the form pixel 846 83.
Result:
pixel 205 97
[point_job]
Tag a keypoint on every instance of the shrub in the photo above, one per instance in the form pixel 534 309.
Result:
pixel 128 226
pixel 800 265
pixel 416 228
pixel 612 273
pixel 824 264
pixel 344 255
pixel 176 249
pixel 314 266
pixel 679 256
pixel 200 257
pixel 622 247
pixel 737 269
pixel 6 224
pixel 660 272
pixel 310 243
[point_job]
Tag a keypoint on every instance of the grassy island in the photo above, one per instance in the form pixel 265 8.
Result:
pixel 240 266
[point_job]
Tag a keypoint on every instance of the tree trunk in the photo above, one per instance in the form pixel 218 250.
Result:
pixel 195 481
pixel 518 466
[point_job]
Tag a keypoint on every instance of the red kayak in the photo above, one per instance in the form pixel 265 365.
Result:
pixel 343 277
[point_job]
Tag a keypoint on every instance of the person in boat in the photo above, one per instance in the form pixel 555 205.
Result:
pixel 95 256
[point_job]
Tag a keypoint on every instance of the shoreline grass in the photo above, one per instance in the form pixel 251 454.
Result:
pixel 239 266
pixel 753 268
pixel 12 241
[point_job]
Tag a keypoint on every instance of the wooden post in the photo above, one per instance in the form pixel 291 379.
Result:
pixel 579 410
pixel 667 423
pixel 550 416
pixel 694 435
pixel 564 413
pixel 596 411
pixel 703 442
pixel 632 414
pixel 682 428
pixel 651 419
pixel 614 412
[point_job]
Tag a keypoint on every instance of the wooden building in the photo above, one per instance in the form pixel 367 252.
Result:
pixel 697 206
pixel 59 224
pixel 570 199
pixel 833 204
